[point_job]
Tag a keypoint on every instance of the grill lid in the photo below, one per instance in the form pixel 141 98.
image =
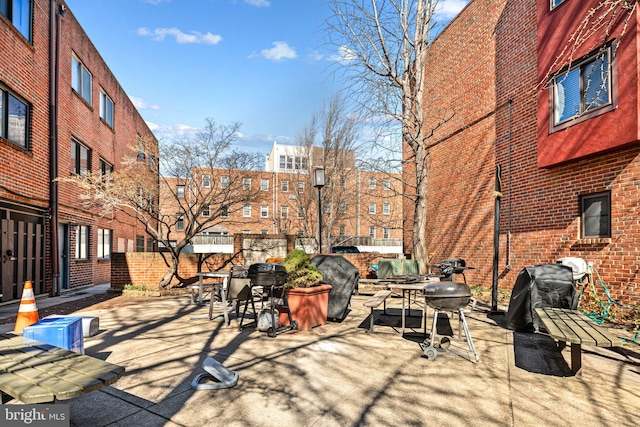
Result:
pixel 447 290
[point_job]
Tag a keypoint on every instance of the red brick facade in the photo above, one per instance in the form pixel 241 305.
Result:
pixel 483 72
pixel 26 73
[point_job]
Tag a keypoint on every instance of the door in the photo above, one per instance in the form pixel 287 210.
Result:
pixel 63 251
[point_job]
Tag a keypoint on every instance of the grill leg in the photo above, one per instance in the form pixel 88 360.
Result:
pixel 467 334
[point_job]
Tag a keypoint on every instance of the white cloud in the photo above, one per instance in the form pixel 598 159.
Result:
pixel 345 55
pixel 258 3
pixel 450 8
pixel 182 38
pixel 141 104
pixel 163 132
pixel 279 51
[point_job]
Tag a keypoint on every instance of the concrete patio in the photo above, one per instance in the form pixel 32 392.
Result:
pixel 340 375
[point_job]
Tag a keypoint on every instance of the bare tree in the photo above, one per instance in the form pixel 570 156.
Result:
pixel 329 140
pixel 384 45
pixel 198 180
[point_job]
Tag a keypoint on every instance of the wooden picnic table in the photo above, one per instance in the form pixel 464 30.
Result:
pixel 34 372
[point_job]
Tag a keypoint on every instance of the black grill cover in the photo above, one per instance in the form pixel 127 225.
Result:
pixel 545 285
pixel 343 278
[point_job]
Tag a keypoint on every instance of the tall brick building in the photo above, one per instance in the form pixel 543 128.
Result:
pixel 62 112
pixel 561 136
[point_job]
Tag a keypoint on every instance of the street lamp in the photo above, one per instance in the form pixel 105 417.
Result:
pixel 318 182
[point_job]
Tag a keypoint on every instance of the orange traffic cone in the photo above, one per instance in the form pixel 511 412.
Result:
pixel 28 312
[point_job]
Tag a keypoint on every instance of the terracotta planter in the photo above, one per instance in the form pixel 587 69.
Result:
pixel 308 306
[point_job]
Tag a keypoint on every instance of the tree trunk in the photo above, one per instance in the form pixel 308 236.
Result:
pixel 420 212
pixel 170 273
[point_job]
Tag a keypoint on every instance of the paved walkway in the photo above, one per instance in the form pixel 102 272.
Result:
pixel 340 375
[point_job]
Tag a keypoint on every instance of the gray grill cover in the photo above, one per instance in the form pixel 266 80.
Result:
pixel 545 285
pixel 343 278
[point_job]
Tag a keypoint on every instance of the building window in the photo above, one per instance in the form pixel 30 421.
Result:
pixel 264 211
pixel 327 207
pixel 284 212
pixel 264 231
pixel 583 89
pixel 289 162
pixel 372 232
pixel 343 182
pixel 343 207
pixel 139 243
pixel 206 212
pixel 81 79
pixel 246 231
pixel 104 243
pixel 106 168
pixel 386 183
pixel 141 151
pixel 343 230
pixel 283 162
pixel 284 186
pixel 386 232
pixel 224 181
pixel 150 244
pixel 300 187
pixel 14 118
pixel 555 3
pixel 386 209
pixel 106 109
pixel 300 212
pixel 80 158
pixel 264 184
pixel 372 183
pixel 82 242
pixel 246 211
pixel 180 191
pixel 19 12
pixel 179 223
pixel 246 184
pixel 372 208
pixel 224 211
pixel 595 210
pixel 206 181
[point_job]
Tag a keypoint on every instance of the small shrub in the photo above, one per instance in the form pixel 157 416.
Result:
pixel 300 272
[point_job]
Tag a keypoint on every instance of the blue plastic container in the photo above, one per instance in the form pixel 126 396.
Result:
pixel 63 332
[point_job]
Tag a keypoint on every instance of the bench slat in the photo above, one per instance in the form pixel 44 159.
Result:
pixel 575 327
pixel 377 299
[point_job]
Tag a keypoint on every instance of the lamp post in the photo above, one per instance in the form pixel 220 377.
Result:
pixel 318 182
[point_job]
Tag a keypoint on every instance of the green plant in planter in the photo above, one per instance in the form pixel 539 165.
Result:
pixel 300 272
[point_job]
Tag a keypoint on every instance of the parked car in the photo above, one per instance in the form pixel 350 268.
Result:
pixel 345 250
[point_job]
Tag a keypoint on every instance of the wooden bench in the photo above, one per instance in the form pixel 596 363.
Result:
pixel 379 298
pixel 34 372
pixel 574 327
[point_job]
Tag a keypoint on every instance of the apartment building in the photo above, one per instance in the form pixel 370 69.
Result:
pixel 360 208
pixel 62 112
pixel 549 139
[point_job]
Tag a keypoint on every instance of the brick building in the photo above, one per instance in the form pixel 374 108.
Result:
pixel 360 208
pixel 562 137
pixel 62 112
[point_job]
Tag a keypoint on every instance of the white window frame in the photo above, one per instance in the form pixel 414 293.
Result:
pixel 284 212
pixel 179 222
pixel 224 211
pixel 180 191
pixel 264 211
pixel 246 184
pixel 246 211
pixel 264 184
pixel 372 183
pixel 206 211
pixel 81 80
pixel 386 209
pixel 82 242
pixel 224 181
pixel 372 208
pixel 107 108
pixel 104 243
pixel 284 186
pixel 206 180
pixel 386 183
pixel 301 185
pixel 372 231
pixel 386 233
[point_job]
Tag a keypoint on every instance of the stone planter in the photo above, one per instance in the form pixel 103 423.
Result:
pixel 308 306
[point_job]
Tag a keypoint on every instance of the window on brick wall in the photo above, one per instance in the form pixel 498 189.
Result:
pixel 106 168
pixel 179 222
pixel 82 242
pixel 284 211
pixel 264 184
pixel 180 191
pixel 106 109
pixel 206 181
pixel 386 209
pixel 81 79
pixel 80 158
pixel 104 243
pixel 246 211
pixel 20 13
pixel 264 211
pixel 595 215
pixel 372 232
pixel 206 212
pixel 555 3
pixel 372 183
pixel 150 244
pixel 583 91
pixel 14 118
pixel 139 243
pixel 284 186
pixel 224 211
pixel 246 184
pixel 386 232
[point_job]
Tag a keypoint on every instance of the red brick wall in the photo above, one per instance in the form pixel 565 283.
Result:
pixel 490 50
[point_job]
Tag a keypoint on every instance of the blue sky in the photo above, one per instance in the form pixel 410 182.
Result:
pixel 258 62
